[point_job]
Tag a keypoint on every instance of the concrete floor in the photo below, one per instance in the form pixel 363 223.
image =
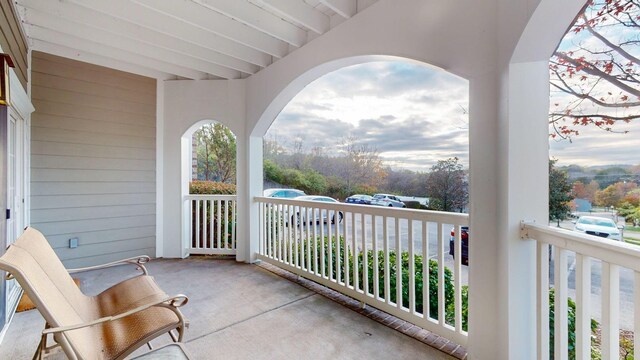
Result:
pixel 240 311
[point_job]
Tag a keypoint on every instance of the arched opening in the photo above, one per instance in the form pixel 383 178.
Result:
pixel 379 128
pixel 208 189
pixel 595 170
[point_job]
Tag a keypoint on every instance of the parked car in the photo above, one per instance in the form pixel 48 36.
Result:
pixel 283 193
pixel 320 216
pixel 359 199
pixel 464 246
pixel 387 200
pixel 598 226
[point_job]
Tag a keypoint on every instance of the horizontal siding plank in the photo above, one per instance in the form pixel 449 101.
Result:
pixel 86 213
pixel 85 112
pixel 104 236
pixel 80 261
pixel 90 163
pixel 93 160
pixel 59 66
pixel 97 102
pixel 84 137
pixel 91 188
pixel 38 175
pixel 73 201
pixel 60 122
pixel 99 250
pixel 90 150
pixel 90 88
pixel 66 227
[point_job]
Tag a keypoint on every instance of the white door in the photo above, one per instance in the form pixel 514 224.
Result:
pixel 15 174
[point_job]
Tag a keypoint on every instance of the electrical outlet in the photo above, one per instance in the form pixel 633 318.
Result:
pixel 73 243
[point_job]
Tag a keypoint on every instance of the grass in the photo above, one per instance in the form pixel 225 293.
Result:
pixel 632 228
pixel 632 241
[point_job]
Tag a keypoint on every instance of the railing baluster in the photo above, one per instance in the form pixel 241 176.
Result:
pixel 376 266
pixel 345 251
pixel 561 332
pixel 441 295
pixel 219 224
pixel 542 276
pixel 457 281
pixel 297 231
pixel 583 307
pixel 396 223
pixel 337 242
pixel 280 232
pixel 412 270
pixel 425 270
pixel 315 241
pixel 330 240
pixel 322 244
pixel 610 311
pixel 233 224
pixel 205 222
pixel 225 243
pixel 198 239
pixel 636 310
pixel 354 250
pixel 365 256
pixel 385 247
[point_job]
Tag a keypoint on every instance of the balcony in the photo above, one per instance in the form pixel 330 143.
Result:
pixel 242 311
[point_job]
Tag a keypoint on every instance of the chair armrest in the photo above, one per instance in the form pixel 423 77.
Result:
pixel 138 261
pixel 171 303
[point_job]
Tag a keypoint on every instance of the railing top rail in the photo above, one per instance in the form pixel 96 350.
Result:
pixel 402 213
pixel 208 197
pixel 611 251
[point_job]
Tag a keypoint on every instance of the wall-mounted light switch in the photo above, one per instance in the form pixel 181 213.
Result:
pixel 73 243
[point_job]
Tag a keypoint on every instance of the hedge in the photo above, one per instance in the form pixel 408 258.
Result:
pixel 211 188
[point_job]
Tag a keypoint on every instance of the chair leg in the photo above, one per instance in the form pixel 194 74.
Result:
pixel 42 345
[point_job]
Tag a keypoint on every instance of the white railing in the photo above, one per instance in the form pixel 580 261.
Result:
pixel 585 253
pixel 210 224
pixel 299 236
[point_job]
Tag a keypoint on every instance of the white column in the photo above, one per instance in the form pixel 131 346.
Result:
pixel 509 183
pixel 255 176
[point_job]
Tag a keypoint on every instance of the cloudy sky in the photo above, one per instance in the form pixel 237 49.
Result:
pixel 412 114
pixel 415 115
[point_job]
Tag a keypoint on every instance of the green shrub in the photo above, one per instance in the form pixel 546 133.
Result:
pixel 415 205
pixel 571 319
pixel 211 188
pixel 330 257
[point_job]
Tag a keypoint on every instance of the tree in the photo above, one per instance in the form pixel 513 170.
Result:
pixel 595 72
pixel 447 187
pixel 585 191
pixel 559 193
pixel 216 149
pixel 361 164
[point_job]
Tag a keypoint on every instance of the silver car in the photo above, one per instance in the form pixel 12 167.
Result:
pixel 387 200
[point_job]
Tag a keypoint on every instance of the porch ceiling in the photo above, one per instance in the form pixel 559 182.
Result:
pixel 181 39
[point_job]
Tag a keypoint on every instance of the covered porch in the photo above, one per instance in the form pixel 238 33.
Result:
pixel 243 311
pixel 117 87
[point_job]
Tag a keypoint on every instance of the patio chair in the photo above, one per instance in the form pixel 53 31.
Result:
pixel 110 325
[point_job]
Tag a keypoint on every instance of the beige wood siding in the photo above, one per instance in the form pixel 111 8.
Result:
pixel 92 160
pixel 12 40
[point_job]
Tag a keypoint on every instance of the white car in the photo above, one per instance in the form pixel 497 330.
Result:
pixel 598 226
pixel 320 216
pixel 387 200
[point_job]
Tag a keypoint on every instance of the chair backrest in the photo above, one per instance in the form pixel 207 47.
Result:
pixel 37 268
